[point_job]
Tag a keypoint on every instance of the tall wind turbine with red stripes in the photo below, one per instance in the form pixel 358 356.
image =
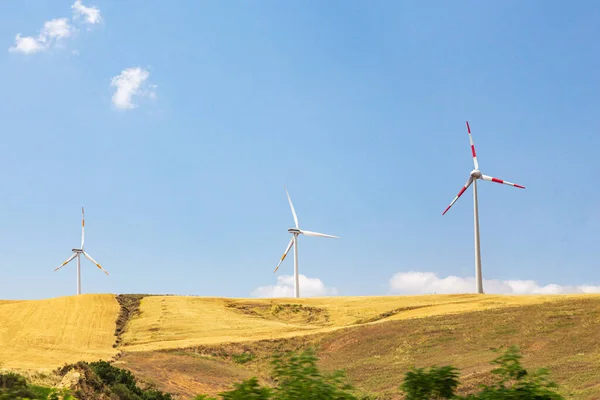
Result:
pixel 473 177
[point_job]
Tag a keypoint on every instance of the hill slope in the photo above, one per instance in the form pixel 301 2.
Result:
pixel 190 345
pixel 561 334
pixel 167 322
pixel 40 334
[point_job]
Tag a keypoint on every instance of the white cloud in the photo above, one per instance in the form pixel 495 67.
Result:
pixel 309 287
pixel 90 14
pixel 52 31
pixel 55 30
pixel 131 82
pixel 26 45
pixel 413 282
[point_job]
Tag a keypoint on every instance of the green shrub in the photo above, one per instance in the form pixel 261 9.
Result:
pixel 243 358
pixel 123 383
pixel 296 377
pixel 513 382
pixel 247 390
pixel 10 380
pixel 112 376
pixel 436 383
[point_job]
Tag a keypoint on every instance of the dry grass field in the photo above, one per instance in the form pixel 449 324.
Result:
pixel 190 345
pixel 42 334
pixel 558 332
pixel 168 322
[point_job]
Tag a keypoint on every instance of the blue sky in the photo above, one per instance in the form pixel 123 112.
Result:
pixel 359 108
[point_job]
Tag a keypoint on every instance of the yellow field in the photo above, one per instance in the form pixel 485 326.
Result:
pixel 44 334
pixel 375 339
pixel 168 322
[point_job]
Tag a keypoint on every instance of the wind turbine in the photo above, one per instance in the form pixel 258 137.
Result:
pixel 474 176
pixel 77 254
pixel 294 242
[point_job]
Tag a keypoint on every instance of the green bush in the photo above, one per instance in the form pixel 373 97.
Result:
pixel 248 389
pixel 103 377
pixel 243 358
pixel 112 376
pixel 10 380
pixel 513 382
pixel 123 383
pixel 15 387
pixel 436 383
pixel 296 377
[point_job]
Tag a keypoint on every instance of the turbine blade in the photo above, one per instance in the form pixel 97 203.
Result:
pixel 475 163
pixel 287 250
pixel 82 228
pixel 309 233
pixel 94 261
pixel 459 194
pixel 66 262
pixel 492 179
pixel 292 207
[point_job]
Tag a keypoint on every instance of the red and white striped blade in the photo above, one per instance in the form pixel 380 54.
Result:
pixel 94 261
pixel 475 163
pixel 82 228
pixel 459 194
pixel 287 249
pixel 66 262
pixel 492 179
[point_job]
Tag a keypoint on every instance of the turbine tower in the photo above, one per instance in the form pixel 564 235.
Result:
pixel 474 176
pixel 77 254
pixel 294 242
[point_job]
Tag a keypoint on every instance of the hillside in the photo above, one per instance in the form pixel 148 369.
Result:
pixel 378 346
pixel 168 322
pixel 44 334
pixel 189 345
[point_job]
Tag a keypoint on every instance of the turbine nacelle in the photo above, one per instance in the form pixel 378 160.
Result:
pixel 476 174
pixel 294 231
pixel 77 250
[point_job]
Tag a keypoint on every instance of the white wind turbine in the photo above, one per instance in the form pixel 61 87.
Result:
pixel 294 242
pixel 476 174
pixel 78 253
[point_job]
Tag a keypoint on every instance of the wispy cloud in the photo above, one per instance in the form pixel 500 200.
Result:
pixel 413 282
pixel 90 14
pixel 309 287
pixel 54 31
pixel 129 83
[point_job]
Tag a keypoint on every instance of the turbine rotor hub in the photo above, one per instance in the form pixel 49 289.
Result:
pixel 476 174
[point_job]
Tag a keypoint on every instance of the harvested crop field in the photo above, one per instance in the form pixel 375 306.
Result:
pixel 168 322
pixel 44 334
pixel 190 345
pixel 561 335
